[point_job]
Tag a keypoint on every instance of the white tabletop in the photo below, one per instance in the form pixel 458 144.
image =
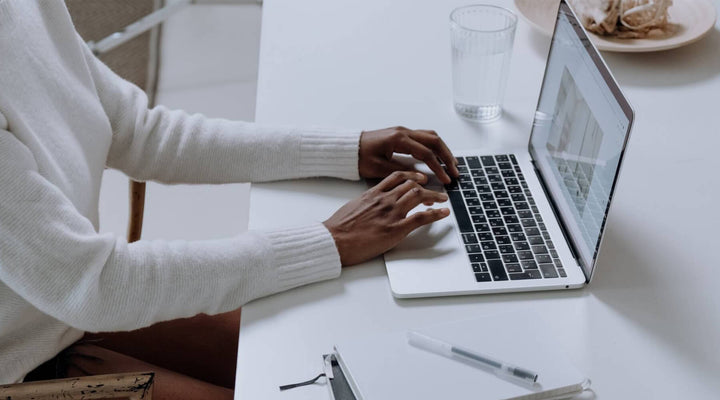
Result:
pixel 648 326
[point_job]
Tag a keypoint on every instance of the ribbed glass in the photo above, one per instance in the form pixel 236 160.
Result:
pixel 482 40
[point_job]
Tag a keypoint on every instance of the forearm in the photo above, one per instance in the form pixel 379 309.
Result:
pixel 176 147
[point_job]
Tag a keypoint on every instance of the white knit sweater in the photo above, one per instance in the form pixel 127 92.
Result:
pixel 64 117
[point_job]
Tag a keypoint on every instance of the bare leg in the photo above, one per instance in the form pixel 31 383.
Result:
pixel 203 347
pixel 88 359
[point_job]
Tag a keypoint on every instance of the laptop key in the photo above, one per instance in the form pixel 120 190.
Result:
pixel 469 238
pixel 469 193
pixel 485 236
pixel 482 228
pixel 522 246
pixel 497 270
pixel 517 237
pixel 473 201
pixel 539 249
pixel 476 258
pixel 487 196
pixel 484 189
pixel 504 203
pixel 483 277
pixel 507 249
pixel 543 258
pixel 514 228
pixel 504 165
pixel 466 185
pixel 509 258
pixel 473 162
pixel 480 180
pixel 528 264
pixel 507 211
pixel 521 205
pixel 502 157
pixel 548 271
pixel 562 273
pixel 492 255
pixel 489 205
pixel 488 246
pixel 493 213
pixel 476 267
pixel 518 197
pixel 501 194
pixel 525 255
pixel 488 161
pixel 502 240
pixel 477 173
pixel 496 185
pixel 510 219
pixel 535 240
pixel 477 210
pixel 532 231
pixel 508 173
pixel 513 267
pixel 496 222
pixel 479 219
pixel 499 231
pixel 525 214
pixel 473 248
pixel 532 274
pixel 461 214
pixel 528 223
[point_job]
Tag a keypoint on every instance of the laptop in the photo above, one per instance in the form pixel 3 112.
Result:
pixel 530 220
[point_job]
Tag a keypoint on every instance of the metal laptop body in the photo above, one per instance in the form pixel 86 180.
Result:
pixel 433 260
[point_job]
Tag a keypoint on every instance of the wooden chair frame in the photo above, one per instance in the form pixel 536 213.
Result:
pixel 132 386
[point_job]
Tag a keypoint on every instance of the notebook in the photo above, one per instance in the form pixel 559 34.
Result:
pixel 387 367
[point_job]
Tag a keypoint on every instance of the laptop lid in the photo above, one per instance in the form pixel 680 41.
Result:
pixel 579 135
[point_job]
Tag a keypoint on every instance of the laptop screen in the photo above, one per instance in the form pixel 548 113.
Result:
pixel 578 138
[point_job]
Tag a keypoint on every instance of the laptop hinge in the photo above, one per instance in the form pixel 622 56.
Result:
pixel 555 210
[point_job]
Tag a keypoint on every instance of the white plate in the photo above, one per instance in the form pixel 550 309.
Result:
pixel 695 18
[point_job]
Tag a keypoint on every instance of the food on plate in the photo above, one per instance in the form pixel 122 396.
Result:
pixel 625 18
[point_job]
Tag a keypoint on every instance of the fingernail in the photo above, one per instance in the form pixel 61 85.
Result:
pixel 445 211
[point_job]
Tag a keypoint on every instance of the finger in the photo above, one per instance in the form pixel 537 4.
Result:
pixel 398 177
pixel 400 190
pixel 432 140
pixel 421 218
pixel 424 154
pixel 415 196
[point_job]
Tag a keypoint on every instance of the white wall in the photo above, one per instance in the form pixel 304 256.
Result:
pixel 209 65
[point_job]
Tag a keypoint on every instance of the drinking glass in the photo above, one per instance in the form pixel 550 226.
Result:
pixel 482 40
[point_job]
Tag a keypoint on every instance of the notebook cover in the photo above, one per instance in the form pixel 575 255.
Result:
pixel 387 367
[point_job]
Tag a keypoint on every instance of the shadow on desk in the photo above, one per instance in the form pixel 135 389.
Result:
pixel 634 283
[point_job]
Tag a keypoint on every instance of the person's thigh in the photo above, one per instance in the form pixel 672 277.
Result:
pixel 88 359
pixel 203 347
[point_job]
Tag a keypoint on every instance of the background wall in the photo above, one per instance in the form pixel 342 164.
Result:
pixel 208 65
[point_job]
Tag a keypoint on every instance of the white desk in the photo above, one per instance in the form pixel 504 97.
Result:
pixel 649 324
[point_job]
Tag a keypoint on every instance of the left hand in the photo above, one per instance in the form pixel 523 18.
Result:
pixel 377 149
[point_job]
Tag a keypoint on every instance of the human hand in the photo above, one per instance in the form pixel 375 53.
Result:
pixel 377 149
pixel 377 221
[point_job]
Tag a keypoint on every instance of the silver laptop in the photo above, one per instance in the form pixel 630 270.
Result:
pixel 532 220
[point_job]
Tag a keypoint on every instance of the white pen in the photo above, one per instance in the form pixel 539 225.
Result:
pixel 446 349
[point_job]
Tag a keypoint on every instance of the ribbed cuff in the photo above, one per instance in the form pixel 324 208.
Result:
pixel 304 255
pixel 330 153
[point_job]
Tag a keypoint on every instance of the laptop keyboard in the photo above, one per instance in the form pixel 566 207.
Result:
pixel 504 235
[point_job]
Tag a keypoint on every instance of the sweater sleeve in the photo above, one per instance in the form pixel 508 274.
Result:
pixel 51 256
pixel 175 147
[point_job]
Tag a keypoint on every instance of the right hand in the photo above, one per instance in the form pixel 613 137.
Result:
pixel 377 221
